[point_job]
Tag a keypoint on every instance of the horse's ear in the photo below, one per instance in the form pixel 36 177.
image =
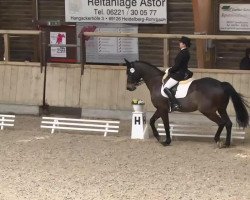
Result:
pixel 127 62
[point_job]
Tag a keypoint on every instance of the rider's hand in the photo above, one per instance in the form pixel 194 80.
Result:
pixel 164 77
pixel 167 70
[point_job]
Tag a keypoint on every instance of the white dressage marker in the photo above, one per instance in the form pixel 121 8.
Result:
pixel 7 120
pixel 198 131
pixel 80 124
pixel 139 126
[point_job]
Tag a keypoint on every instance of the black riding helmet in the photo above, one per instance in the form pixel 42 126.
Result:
pixel 186 41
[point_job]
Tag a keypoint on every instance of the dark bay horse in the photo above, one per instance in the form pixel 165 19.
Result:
pixel 207 95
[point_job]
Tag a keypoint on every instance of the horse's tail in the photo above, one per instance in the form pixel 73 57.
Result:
pixel 240 104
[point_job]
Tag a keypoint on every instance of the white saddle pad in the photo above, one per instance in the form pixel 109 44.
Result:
pixel 182 89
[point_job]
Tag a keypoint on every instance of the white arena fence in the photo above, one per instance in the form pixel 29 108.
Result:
pixel 7 120
pixel 199 131
pixel 103 126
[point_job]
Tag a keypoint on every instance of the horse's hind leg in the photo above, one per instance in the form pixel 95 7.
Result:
pixel 218 120
pixel 153 119
pixel 228 124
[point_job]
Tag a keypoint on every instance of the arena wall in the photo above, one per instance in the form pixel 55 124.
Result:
pixel 100 86
pixel 104 87
pixel 63 83
pixel 21 83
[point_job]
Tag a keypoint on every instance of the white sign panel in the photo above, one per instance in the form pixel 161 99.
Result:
pixel 109 49
pixel 117 11
pixel 58 38
pixel 234 17
pixel 106 45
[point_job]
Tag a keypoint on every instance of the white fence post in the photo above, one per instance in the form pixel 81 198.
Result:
pixel 182 130
pixel 55 124
pixel 103 126
pixel 106 129
pixel 2 123
pixel 7 120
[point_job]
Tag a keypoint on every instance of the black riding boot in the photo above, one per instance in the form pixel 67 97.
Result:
pixel 175 106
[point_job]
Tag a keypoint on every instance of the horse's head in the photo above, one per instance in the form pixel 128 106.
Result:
pixel 134 77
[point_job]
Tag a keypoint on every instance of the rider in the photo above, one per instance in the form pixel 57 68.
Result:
pixel 178 71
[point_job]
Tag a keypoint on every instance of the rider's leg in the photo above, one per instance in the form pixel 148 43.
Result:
pixel 169 84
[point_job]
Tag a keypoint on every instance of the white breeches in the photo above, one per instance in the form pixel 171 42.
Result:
pixel 170 83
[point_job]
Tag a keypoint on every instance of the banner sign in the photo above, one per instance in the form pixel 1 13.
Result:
pixel 58 38
pixel 234 17
pixel 116 11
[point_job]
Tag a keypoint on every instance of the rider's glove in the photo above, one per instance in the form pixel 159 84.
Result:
pixel 167 70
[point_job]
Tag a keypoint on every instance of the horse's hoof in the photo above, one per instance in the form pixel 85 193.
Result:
pixel 226 145
pixel 165 144
pixel 217 140
pixel 222 145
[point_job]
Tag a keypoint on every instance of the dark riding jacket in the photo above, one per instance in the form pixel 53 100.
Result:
pixel 180 68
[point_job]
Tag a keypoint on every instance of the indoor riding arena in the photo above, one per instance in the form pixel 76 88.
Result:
pixel 83 115
pixel 36 164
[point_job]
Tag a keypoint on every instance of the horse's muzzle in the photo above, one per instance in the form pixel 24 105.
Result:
pixel 131 87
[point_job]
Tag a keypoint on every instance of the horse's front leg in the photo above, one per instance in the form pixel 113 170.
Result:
pixel 153 119
pixel 165 119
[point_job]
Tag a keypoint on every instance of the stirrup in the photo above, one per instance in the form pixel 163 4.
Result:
pixel 175 107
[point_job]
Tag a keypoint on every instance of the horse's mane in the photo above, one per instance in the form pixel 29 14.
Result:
pixel 150 65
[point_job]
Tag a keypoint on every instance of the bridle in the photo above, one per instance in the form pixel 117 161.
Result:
pixel 134 79
pixel 140 82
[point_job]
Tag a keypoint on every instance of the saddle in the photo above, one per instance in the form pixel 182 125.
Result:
pixel 181 86
pixel 188 75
